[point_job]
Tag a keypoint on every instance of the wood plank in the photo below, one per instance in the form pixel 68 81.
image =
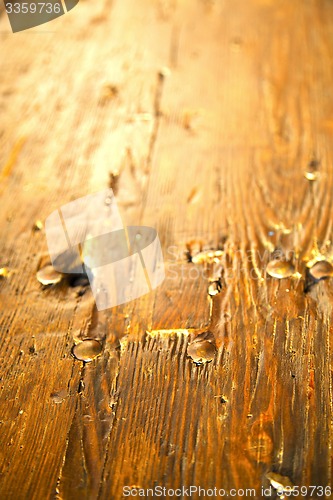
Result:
pixel 207 114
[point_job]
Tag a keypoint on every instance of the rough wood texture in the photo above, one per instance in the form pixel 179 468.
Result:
pixel 211 112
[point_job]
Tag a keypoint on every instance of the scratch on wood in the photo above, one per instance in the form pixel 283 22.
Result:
pixel 6 171
pixel 174 46
pixel 157 112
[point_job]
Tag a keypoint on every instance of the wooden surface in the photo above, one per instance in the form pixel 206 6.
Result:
pixel 211 112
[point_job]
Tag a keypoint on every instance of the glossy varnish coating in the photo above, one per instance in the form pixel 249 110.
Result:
pixel 206 117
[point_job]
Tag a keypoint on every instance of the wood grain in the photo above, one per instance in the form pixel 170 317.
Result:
pixel 207 114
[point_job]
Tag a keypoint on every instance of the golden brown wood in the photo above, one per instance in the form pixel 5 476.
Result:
pixel 217 116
